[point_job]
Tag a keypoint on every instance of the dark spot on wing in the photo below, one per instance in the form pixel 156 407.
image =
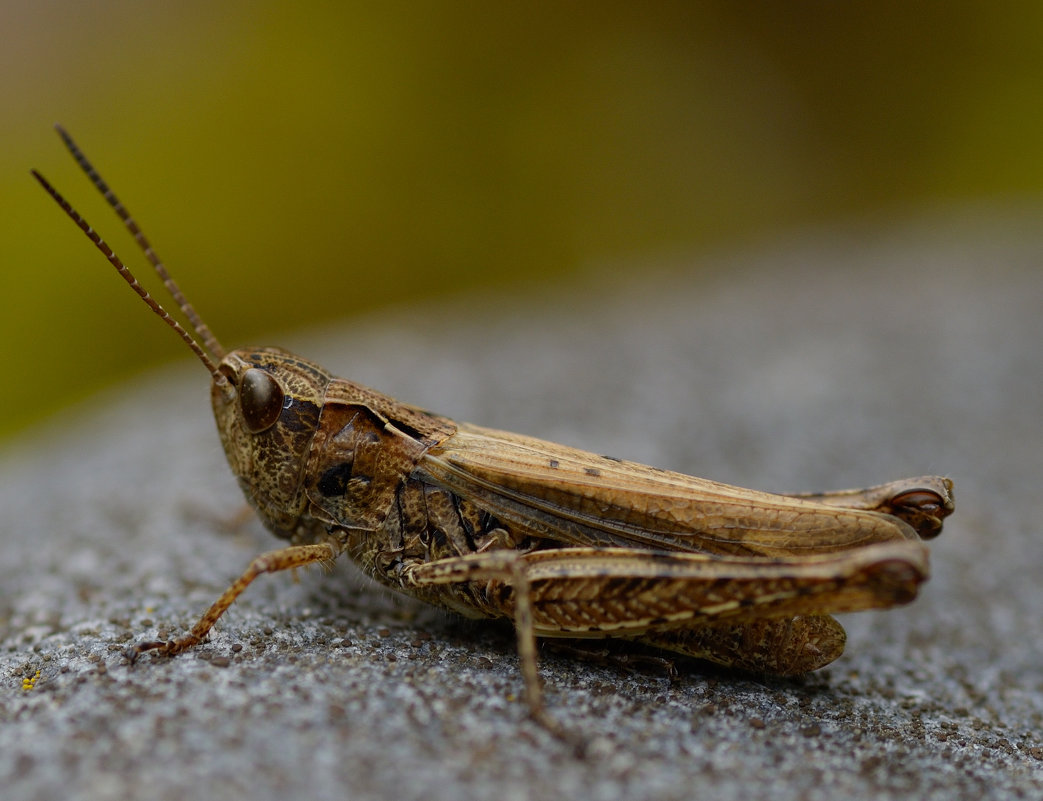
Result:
pixel 592 471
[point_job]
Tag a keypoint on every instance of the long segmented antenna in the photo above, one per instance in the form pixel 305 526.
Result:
pixel 128 276
pixel 202 329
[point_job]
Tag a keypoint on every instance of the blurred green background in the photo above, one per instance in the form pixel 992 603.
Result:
pixel 295 163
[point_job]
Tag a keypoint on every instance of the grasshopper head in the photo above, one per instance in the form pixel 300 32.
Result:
pixel 266 401
pixel 267 410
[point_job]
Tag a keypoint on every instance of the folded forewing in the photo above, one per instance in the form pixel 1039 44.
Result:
pixel 563 494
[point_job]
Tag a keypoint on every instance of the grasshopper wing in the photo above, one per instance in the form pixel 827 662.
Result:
pixel 576 498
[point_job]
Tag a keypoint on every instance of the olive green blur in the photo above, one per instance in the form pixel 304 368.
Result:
pixel 300 162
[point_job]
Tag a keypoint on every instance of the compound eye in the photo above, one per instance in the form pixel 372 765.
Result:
pixel 260 400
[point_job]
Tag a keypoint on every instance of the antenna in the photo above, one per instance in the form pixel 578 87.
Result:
pixel 128 276
pixel 202 329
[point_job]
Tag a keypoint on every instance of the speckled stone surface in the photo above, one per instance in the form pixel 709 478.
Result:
pixel 842 359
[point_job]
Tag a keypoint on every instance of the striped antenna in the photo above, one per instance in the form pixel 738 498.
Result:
pixel 202 329
pixel 128 276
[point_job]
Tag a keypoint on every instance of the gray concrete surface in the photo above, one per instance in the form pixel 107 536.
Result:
pixel 842 359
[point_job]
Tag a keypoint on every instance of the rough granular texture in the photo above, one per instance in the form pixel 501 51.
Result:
pixel 831 362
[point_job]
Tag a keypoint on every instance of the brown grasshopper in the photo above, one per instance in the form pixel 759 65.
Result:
pixel 561 542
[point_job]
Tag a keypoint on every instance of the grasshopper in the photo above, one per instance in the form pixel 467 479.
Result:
pixel 563 543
